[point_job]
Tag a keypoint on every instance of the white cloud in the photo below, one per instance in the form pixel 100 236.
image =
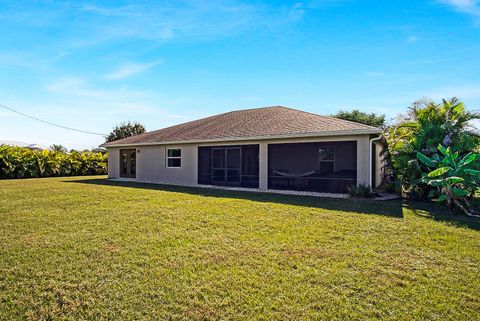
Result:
pixel 375 74
pixel 64 83
pixel 430 61
pixel 412 39
pixel 190 19
pixel 78 87
pixel 82 25
pixel 467 92
pixel 155 21
pixel 468 6
pixel 75 92
pixel 120 11
pixel 131 69
pixel 319 4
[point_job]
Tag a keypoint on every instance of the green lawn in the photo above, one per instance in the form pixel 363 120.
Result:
pixel 87 248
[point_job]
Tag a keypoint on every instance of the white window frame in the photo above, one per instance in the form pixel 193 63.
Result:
pixel 173 157
pixel 329 160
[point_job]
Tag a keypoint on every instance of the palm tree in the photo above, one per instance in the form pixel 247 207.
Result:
pixel 58 148
pixel 427 125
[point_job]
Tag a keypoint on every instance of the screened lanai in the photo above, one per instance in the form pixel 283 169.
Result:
pixel 320 167
pixel 232 165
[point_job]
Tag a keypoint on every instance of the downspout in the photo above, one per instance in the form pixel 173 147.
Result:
pixel 371 158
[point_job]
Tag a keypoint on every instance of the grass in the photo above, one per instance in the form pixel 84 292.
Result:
pixel 87 248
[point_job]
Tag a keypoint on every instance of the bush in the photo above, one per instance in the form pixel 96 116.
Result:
pixel 427 125
pixel 454 180
pixel 20 162
pixel 360 190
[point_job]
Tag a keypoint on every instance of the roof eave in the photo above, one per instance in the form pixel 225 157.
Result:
pixel 252 138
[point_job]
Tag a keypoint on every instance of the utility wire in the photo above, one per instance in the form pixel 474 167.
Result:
pixel 50 123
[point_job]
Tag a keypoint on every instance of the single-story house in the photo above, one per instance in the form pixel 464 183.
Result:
pixel 271 148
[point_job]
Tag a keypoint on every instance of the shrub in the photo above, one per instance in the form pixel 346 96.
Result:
pixel 455 180
pixel 360 190
pixel 426 125
pixel 20 162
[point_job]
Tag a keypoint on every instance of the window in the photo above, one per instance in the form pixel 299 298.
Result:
pixel 174 157
pixel 326 160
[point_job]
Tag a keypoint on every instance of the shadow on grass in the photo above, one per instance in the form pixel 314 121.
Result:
pixel 441 214
pixel 387 208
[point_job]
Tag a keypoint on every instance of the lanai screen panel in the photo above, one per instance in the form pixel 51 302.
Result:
pixel 232 165
pixel 319 167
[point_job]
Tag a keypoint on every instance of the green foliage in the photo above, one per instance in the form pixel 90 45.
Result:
pixel 428 124
pixel 20 162
pixel 125 130
pixel 355 115
pixel 360 190
pixel 58 148
pixel 454 180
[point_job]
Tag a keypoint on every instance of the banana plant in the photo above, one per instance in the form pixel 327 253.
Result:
pixel 20 162
pixel 455 180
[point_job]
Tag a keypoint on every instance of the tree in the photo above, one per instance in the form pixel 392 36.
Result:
pixel 125 130
pixel 58 148
pixel 427 125
pixel 455 180
pixel 358 116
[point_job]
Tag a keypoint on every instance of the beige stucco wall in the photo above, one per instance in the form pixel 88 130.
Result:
pixel 151 160
pixel 363 160
pixel 151 166
pixel 263 166
pixel 113 162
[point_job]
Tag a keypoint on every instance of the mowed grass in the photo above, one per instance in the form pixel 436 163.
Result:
pixel 87 248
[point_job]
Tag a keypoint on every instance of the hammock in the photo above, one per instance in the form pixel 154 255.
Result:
pixel 293 175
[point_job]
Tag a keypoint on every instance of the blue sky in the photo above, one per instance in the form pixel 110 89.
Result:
pixel 90 65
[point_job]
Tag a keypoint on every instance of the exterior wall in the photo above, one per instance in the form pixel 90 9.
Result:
pixel 263 166
pixel 151 165
pixel 363 160
pixel 151 160
pixel 113 162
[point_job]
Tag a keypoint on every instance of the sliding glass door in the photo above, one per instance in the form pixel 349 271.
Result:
pixel 226 166
pixel 235 165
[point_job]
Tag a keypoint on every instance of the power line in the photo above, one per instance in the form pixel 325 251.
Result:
pixel 50 123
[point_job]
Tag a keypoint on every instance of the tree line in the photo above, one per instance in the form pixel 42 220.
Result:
pixel 22 162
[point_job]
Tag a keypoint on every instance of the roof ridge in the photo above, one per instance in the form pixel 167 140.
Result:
pixel 217 115
pixel 254 108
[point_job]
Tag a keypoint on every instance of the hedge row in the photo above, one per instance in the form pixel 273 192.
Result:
pixel 20 162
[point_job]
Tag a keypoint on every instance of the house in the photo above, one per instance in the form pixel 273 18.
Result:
pixel 275 148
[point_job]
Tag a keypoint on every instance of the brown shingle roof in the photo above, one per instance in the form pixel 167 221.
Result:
pixel 258 123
